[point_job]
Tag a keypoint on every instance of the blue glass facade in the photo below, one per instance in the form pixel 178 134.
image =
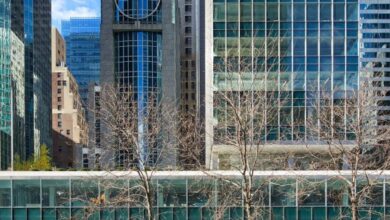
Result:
pixel 311 52
pixel 82 36
pixel 138 59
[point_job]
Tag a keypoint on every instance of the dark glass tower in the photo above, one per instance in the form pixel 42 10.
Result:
pixel 37 40
pixel 140 45
pixel 82 36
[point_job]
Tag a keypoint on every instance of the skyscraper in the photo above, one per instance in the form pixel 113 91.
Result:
pixel 309 48
pixel 12 84
pixel 140 45
pixel 37 41
pixel 82 36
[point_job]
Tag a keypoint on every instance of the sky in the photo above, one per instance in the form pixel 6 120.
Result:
pixel 64 9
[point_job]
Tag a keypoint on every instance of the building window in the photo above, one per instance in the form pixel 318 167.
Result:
pixel 59 75
pixel 59 91
pixel 59 82
pixel 85 161
pixel 188 18
pixel 68 132
pixel 188 40
pixel 59 107
pixel 64 83
pixel 59 99
pixel 59 124
pixel 59 116
pixel 188 30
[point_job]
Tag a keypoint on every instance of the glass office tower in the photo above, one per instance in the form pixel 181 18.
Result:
pixel 11 87
pixel 5 82
pixel 311 51
pixel 140 45
pixel 37 40
pixel 82 36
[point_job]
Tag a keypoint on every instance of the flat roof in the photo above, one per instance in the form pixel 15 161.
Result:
pixel 4 175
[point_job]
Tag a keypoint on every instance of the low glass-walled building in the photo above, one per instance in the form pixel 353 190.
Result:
pixel 189 195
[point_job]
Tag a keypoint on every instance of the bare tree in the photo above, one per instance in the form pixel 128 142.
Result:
pixel 354 137
pixel 246 103
pixel 138 135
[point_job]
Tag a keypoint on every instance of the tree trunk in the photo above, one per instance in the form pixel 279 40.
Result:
pixel 354 210
pixel 149 207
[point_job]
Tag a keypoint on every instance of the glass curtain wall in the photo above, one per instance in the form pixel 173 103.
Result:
pixel 290 198
pixel 5 84
pixel 138 61
pixel 310 60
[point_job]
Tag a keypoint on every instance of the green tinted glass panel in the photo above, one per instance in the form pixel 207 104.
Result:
pixel 236 213
pixel 283 193
pixel 304 213
pixel 172 193
pixel 334 213
pixel 20 214
pixel 378 214
pixel 5 193
pixel 55 193
pixel 85 192
pixel 108 214
pixel 121 214
pixel 194 213
pixel 49 214
pixel 232 12
pixel 78 214
pixel 137 213
pixel 5 214
pixel 319 213
pixel 179 213
pixel 290 213
pixel 34 214
pixel 207 214
pixel 219 12
pixel 277 213
pixel 116 192
pixel 26 193
pixel 63 214
pixel 201 193
pixel 166 213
